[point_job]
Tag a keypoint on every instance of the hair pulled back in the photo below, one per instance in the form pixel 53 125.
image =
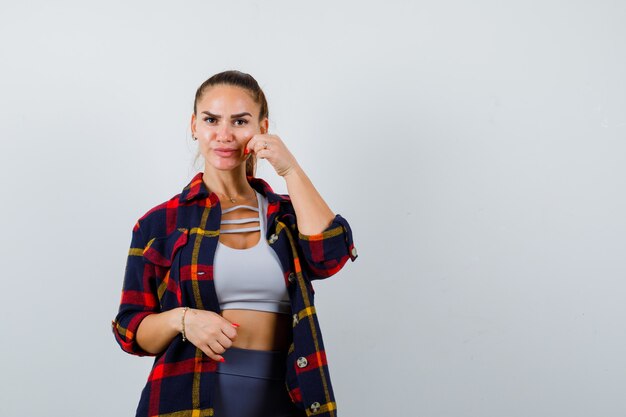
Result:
pixel 242 80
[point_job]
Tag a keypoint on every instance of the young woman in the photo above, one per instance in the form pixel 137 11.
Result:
pixel 218 278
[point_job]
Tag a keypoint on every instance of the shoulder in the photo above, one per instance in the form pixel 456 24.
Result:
pixel 155 221
pixel 155 212
pixel 162 218
pixel 279 202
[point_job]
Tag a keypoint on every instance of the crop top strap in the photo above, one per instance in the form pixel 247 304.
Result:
pixel 233 208
pixel 246 220
pixel 241 221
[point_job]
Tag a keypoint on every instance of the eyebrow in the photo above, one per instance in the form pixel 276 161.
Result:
pixel 234 116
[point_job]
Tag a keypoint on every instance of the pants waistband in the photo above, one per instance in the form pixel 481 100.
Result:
pixel 254 363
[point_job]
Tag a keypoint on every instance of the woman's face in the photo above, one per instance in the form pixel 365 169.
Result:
pixel 227 118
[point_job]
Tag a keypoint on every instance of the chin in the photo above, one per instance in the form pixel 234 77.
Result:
pixel 225 165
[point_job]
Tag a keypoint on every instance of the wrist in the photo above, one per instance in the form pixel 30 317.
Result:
pixel 293 172
pixel 182 323
pixel 176 322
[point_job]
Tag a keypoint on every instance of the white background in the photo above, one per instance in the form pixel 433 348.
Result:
pixel 477 149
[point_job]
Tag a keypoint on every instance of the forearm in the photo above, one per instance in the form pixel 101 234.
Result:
pixel 312 212
pixel 156 331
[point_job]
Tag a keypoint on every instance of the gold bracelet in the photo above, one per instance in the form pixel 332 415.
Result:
pixel 183 323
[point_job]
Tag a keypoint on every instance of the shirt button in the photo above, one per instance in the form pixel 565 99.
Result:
pixel 273 238
pixel 353 251
pixel 302 362
pixel 296 320
pixel 315 407
pixel 292 277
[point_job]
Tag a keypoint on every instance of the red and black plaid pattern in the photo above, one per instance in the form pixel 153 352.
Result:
pixel 170 264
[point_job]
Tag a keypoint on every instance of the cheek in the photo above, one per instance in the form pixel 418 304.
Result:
pixel 204 132
pixel 247 133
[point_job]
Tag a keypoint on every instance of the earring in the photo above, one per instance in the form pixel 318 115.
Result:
pixel 195 138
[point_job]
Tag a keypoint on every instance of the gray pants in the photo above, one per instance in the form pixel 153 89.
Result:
pixel 251 383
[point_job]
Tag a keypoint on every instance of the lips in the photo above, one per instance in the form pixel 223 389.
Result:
pixel 226 152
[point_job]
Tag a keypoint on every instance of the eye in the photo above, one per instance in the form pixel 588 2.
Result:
pixel 209 119
pixel 241 122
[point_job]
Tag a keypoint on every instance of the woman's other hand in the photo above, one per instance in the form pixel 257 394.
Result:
pixel 209 332
pixel 272 148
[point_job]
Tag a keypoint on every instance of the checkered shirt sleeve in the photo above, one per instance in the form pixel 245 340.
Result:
pixel 139 297
pixel 326 253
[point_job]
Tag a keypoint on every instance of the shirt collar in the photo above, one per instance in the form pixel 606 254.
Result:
pixel 197 189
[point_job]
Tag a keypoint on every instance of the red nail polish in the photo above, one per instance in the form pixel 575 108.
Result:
pixel 246 151
pixel 222 360
pixel 235 324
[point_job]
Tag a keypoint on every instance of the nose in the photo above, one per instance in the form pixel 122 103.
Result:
pixel 224 133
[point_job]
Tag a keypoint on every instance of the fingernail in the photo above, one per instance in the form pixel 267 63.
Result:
pixel 222 360
pixel 246 151
pixel 235 324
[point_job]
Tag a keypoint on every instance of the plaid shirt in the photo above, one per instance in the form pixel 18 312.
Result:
pixel 170 264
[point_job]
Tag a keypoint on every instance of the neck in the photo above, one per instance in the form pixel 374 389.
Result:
pixel 229 183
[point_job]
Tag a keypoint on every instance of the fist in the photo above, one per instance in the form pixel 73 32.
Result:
pixel 272 148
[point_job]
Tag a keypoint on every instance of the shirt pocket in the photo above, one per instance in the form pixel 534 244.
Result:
pixel 162 253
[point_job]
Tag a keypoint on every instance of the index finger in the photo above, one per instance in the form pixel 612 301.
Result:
pixel 252 142
pixel 229 330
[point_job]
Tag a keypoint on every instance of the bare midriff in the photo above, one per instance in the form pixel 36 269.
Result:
pixel 260 330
